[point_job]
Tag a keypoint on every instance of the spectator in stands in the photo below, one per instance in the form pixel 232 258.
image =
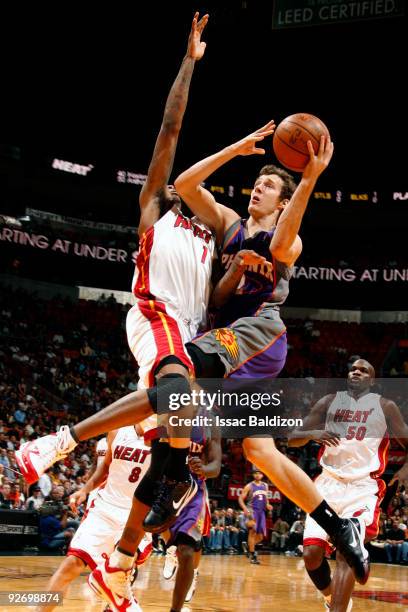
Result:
pixel 395 539
pixel 36 500
pixel 280 534
pixel 17 496
pixel 45 485
pixel 6 503
pixel 296 535
pixel 54 531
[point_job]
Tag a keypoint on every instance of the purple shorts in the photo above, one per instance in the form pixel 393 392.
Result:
pixel 194 519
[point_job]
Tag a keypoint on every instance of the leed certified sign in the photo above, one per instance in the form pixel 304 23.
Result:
pixel 298 13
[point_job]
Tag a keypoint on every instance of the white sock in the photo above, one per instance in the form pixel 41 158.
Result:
pixel 66 442
pixel 118 559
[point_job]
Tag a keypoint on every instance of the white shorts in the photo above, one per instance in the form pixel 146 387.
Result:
pixel 359 498
pixel 154 332
pixel 100 530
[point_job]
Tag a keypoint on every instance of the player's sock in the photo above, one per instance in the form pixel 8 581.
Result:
pixel 73 434
pixel 327 518
pixel 122 559
pixel 177 464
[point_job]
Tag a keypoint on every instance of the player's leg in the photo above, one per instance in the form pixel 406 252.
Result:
pixel 69 569
pixel 315 547
pixel 193 585
pixel 133 531
pixel 184 576
pixel 318 569
pixel 299 488
pixel 342 586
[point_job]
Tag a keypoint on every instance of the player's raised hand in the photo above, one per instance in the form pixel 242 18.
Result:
pixel 248 145
pixel 195 46
pixel 318 162
pixel 76 499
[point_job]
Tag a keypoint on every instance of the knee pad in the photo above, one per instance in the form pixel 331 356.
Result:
pixel 166 361
pixel 172 386
pixel 321 577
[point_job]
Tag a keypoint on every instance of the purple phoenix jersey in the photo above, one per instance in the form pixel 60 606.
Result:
pixel 259 285
pixel 257 502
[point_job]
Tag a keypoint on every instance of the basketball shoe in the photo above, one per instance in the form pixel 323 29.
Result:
pixel 170 563
pixel 35 457
pixel 350 542
pixel 192 588
pixel 170 500
pixel 113 585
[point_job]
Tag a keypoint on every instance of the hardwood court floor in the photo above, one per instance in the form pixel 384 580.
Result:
pixel 226 584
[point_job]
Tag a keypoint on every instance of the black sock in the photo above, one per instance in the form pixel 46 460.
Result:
pixel 327 518
pixel 73 434
pixel 176 465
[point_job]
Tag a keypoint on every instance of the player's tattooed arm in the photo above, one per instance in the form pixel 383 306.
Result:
pixel 161 164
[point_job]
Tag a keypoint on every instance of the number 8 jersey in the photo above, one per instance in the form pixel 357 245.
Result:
pixel 363 448
pixel 130 461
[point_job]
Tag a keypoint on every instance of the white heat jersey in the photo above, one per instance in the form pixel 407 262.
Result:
pixel 363 447
pixel 174 265
pixel 130 461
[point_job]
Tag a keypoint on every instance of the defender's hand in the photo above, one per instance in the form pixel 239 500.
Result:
pixel 195 47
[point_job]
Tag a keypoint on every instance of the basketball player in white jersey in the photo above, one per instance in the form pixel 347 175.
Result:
pixel 125 462
pixel 171 286
pixel 353 427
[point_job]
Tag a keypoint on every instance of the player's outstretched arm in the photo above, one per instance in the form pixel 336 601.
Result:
pixel 200 200
pixel 161 164
pixel 286 245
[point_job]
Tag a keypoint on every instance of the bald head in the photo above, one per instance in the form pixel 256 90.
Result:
pixel 365 365
pixel 361 376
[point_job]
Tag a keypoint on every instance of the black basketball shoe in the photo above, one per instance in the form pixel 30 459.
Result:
pixel 171 498
pixel 350 542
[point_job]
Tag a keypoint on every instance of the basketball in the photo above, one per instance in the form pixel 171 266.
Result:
pixel 291 136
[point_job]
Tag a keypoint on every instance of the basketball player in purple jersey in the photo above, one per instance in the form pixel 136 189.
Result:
pixel 255 494
pixel 257 255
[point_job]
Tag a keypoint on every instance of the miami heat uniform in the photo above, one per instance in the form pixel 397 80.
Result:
pixel 350 481
pixel 258 499
pixel 194 520
pixel 171 285
pixel 250 337
pixel 100 450
pixel 105 519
